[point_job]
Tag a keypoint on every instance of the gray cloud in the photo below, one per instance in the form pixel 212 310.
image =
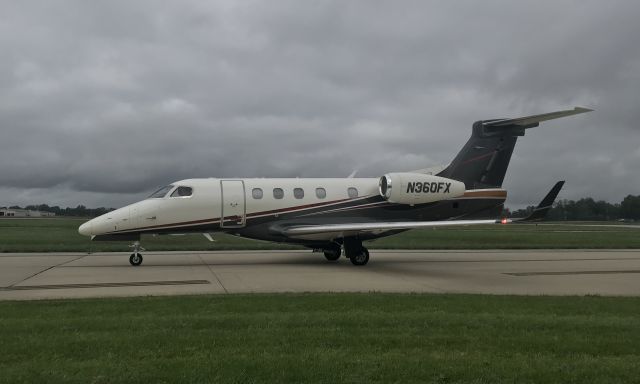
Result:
pixel 102 102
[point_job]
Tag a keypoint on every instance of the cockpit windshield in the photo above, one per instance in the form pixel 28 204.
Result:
pixel 182 191
pixel 160 192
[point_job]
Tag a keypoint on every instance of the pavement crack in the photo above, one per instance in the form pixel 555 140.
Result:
pixel 44 270
pixel 213 273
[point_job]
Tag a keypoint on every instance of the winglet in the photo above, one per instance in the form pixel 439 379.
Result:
pixel 540 212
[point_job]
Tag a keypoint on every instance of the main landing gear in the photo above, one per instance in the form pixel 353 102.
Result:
pixel 333 253
pixel 136 257
pixel 360 258
pixel 355 252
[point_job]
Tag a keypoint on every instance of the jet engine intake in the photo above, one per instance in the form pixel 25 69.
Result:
pixel 418 188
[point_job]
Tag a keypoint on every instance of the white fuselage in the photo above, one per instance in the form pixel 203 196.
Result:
pixel 229 203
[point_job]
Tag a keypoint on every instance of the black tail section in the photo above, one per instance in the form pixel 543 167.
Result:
pixel 483 161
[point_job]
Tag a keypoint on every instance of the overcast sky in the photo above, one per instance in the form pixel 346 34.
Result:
pixel 101 102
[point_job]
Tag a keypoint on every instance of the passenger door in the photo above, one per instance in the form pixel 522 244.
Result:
pixel 233 204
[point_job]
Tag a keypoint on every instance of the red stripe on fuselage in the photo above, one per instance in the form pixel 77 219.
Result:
pixel 499 194
pixel 217 219
pixel 297 207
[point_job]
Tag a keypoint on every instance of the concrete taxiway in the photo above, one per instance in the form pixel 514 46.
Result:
pixel 549 272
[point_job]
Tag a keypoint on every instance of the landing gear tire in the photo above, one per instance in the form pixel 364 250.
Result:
pixel 361 258
pixel 332 254
pixel 135 259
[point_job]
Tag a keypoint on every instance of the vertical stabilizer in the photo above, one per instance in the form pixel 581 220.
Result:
pixel 483 161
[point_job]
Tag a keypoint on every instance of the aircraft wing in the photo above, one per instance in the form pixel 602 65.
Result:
pixel 540 212
pixel 333 231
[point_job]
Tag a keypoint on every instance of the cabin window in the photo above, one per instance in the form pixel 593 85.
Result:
pixel 256 193
pixel 161 192
pixel 182 192
pixel 278 193
pixel 298 193
pixel 352 192
pixel 321 193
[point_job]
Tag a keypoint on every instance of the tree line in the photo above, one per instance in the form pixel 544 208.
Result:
pixel 79 211
pixel 584 209
pixel 588 209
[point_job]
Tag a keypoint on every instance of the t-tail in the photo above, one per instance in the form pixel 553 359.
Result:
pixel 483 161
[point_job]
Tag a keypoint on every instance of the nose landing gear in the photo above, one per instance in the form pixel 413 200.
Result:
pixel 136 257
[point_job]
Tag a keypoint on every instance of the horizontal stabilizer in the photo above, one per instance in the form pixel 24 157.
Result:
pixel 533 120
pixel 540 212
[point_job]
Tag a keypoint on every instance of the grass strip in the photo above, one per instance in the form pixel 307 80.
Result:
pixel 322 338
pixel 61 235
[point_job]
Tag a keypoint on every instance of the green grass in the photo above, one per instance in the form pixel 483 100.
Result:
pixel 61 235
pixel 322 338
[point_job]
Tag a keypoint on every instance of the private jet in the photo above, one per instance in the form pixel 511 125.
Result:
pixel 335 215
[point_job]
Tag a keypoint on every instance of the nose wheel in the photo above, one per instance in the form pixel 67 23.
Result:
pixel 136 257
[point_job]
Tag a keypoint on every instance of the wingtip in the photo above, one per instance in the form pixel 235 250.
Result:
pixel 557 187
pixel 582 109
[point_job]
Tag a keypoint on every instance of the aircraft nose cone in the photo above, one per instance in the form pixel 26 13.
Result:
pixel 85 229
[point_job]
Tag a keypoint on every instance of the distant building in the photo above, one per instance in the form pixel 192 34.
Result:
pixel 8 212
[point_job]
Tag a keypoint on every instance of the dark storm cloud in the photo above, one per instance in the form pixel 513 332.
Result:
pixel 101 102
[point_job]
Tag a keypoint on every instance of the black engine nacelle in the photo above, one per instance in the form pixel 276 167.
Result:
pixel 418 188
